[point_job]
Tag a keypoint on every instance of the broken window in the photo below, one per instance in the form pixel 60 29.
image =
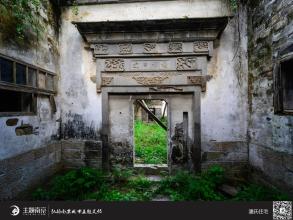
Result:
pixel 16 102
pixel 19 85
pixel 284 88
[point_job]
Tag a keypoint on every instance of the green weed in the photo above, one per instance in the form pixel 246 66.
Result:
pixel 185 186
pixel 253 192
pixel 71 186
pixel 150 143
pixel 122 185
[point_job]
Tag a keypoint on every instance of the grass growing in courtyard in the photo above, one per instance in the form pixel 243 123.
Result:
pixel 150 143
pixel 124 185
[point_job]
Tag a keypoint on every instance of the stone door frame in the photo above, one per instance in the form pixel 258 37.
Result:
pixel 194 161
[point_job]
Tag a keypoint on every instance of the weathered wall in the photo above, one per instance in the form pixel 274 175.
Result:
pixel 26 159
pixel 20 173
pixel 80 104
pixel 76 154
pixel 45 128
pixel 271 135
pixel 224 104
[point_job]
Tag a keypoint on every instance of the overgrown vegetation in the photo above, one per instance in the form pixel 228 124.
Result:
pixel 20 19
pixel 150 143
pixel 124 185
pixel 234 4
pixel 185 187
pixel 91 184
pixel 253 192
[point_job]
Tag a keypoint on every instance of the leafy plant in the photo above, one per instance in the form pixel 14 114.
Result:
pixel 253 192
pixel 234 4
pixel 72 186
pixel 120 175
pixel 75 8
pixel 185 186
pixel 116 195
pixel 20 19
pixel 150 143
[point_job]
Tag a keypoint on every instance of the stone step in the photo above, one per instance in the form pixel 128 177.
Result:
pixel 151 169
pixel 154 178
pixel 161 198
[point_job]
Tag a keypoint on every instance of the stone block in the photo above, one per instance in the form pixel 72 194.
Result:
pixel 72 144
pixel 93 145
pixel 72 154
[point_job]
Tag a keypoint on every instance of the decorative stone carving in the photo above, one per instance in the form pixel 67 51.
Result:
pixel 165 88
pixel 199 81
pixel 106 81
pixel 150 48
pixel 114 65
pixel 146 81
pixel 100 49
pixel 186 63
pixel 200 46
pixel 175 48
pixel 125 48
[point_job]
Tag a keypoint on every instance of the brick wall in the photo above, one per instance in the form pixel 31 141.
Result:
pixel 270 30
pixel 27 170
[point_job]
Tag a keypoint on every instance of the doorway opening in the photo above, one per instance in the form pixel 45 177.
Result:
pixel 150 132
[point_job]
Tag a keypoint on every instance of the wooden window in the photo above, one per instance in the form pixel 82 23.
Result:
pixel 21 74
pixel 32 77
pixel 6 70
pixel 283 99
pixel 20 83
pixel 16 103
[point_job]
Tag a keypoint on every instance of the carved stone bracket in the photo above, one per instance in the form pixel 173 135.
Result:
pixel 114 65
pixel 106 81
pixel 199 81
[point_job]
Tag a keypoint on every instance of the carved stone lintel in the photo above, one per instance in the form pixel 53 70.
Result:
pixel 201 46
pixel 165 88
pixel 150 48
pixel 114 65
pixel 186 63
pixel 175 48
pixel 125 49
pixel 199 81
pixel 146 81
pixel 106 81
pixel 100 49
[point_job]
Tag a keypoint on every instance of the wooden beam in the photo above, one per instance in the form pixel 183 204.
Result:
pixel 144 107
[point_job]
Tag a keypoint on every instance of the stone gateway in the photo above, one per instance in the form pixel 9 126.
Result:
pixel 225 76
